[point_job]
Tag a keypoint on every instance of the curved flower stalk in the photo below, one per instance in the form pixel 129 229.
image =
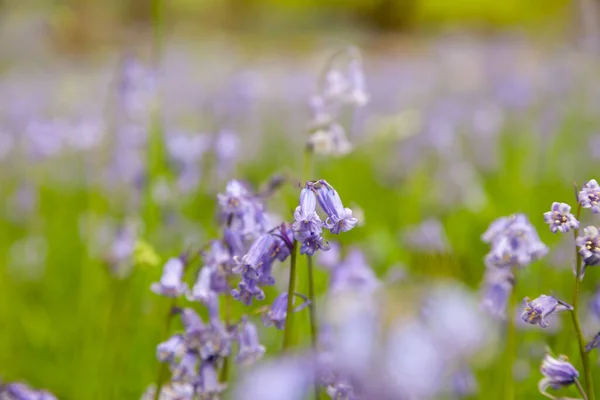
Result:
pixel 558 373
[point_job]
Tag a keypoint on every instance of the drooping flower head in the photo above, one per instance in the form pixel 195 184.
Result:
pixel 339 219
pixel 171 349
pixel 589 196
pixel 589 245
pixel 560 218
pixel 250 349
pixel 353 274
pixel 538 309
pixel 170 284
pixel 307 223
pixel 497 287
pixel 594 343
pixel 276 314
pixel 558 373
pixel 515 243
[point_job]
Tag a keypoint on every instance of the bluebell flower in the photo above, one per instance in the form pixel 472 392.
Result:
pixel 208 385
pixel 250 349
pixel 216 341
pixel 247 290
pixel 515 243
pixel 497 287
pixel 186 369
pixel 307 223
pixel 558 373
pixel 538 309
pixel 171 349
pixel 234 241
pixel 276 314
pixel 202 290
pixel 589 196
pixel 594 343
pixel 235 199
pixel 218 254
pixel 560 218
pixel 464 383
pixel 171 391
pixel 194 328
pixel 311 245
pixel 339 219
pixel 594 304
pixel 341 389
pixel 171 284
pixel 330 258
pixel 589 245
pixel 20 391
pixel 353 274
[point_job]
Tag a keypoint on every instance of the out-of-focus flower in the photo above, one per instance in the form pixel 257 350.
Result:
pixel 594 343
pixel 250 349
pixel 594 304
pixel 20 391
pixel 558 373
pixel 330 258
pixel 339 218
pixel 186 369
pixel 463 383
pixel 171 284
pixel 247 290
pixel 276 314
pixel 172 391
pixel 589 196
pixel 560 218
pixel 515 242
pixel 497 287
pixel 208 386
pixel 428 237
pixel 538 309
pixel 202 290
pixel 329 140
pixel 353 274
pixel 173 348
pixel 589 245
pixel 286 378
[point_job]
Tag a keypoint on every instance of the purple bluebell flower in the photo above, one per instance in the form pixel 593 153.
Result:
pixel 307 223
pixel 341 389
pixel 218 254
pixel 171 284
pixel 538 309
pixel 247 290
pixel 594 343
pixel 250 349
pixel 276 314
pixel 353 274
pixel 210 340
pixel 329 140
pixel 208 385
pixel 256 264
pixel 311 245
pixel 589 196
pixel 194 328
pixel 171 391
pixel 186 369
pixel 332 257
pixel 202 290
pixel 171 349
pixel 339 219
pixel 594 304
pixel 235 198
pixel 497 287
pixel 558 373
pixel 589 245
pixel 356 77
pixel 234 241
pixel 20 391
pixel 427 237
pixel 560 218
pixel 515 243
pixel 463 383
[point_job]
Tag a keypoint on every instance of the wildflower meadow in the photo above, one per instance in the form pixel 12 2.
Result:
pixel 347 218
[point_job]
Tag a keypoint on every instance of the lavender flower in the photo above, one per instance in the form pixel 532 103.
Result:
pixel 538 309
pixel 589 196
pixel 560 218
pixel 194 328
pixel 250 349
pixel 234 200
pixel 170 284
pixel 210 340
pixel 594 304
pixel 276 314
pixel 173 348
pixel 339 218
pixel 202 291
pixel 558 373
pixel 589 245
pixel 172 391
pixel 498 285
pixel 247 290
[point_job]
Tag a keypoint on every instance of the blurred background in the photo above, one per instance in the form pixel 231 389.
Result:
pixel 120 121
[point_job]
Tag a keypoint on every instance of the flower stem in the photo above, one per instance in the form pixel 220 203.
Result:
pixel 585 360
pixel 580 388
pixel 511 346
pixel 313 317
pixel 162 367
pixel 289 318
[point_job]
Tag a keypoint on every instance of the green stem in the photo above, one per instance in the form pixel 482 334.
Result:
pixel 511 346
pixel 313 318
pixel 162 368
pixel 157 13
pixel 587 372
pixel 580 388
pixel 289 318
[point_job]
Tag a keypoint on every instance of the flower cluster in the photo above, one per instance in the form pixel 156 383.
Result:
pixel 20 391
pixel 514 241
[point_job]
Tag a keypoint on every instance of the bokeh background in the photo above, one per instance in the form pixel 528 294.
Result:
pixel 478 109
